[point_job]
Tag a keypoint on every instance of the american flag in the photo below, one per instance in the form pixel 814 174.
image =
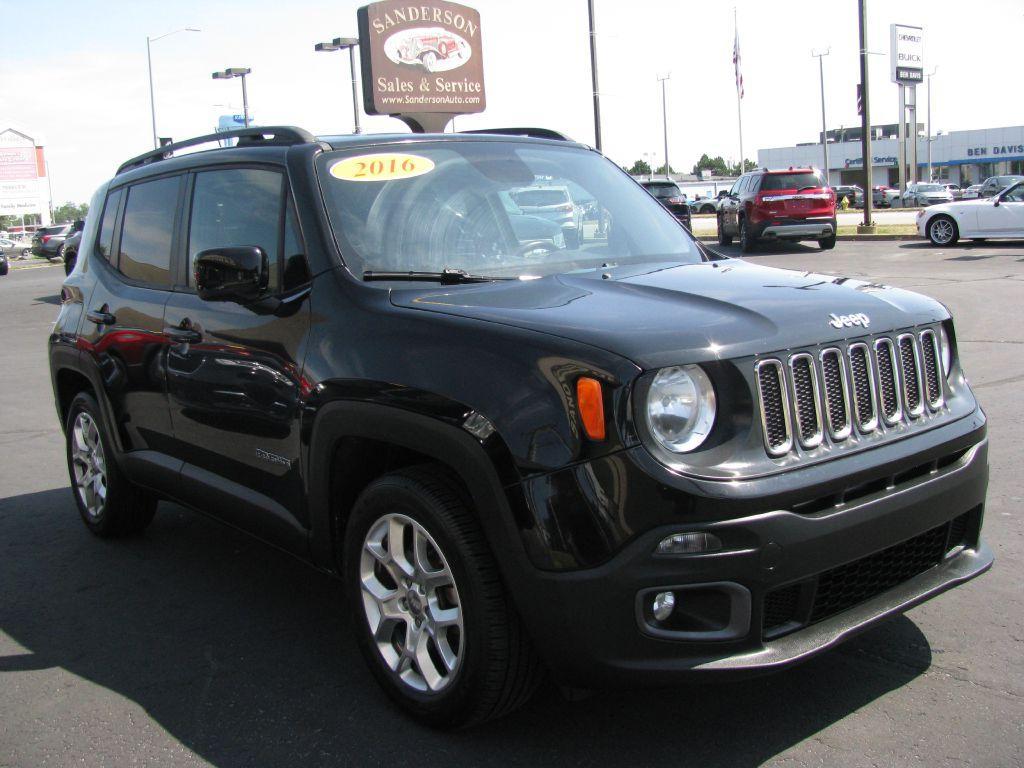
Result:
pixel 736 61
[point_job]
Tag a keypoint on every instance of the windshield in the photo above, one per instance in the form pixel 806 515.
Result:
pixel 777 181
pixel 931 188
pixel 505 209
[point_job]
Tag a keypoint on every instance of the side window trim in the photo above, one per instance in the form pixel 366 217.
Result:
pixel 291 218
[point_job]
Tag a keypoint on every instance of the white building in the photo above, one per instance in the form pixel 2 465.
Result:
pixel 961 157
pixel 24 187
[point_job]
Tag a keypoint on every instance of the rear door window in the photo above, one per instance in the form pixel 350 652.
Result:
pixel 148 232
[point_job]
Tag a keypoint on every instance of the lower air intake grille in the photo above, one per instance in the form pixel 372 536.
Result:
pixel 839 589
pixel 851 584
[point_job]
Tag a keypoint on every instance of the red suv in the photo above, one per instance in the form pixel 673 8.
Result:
pixel 794 204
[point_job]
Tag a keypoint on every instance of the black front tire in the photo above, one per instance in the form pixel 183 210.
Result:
pixel 126 508
pixel 723 238
pixel 827 243
pixel 499 670
pixel 747 242
pixel 69 262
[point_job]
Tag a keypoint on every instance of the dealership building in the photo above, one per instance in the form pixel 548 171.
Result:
pixel 960 157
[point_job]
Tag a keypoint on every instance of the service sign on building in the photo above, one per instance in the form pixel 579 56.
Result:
pixel 422 62
pixel 907 51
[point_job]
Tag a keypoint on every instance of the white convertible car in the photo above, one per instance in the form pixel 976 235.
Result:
pixel 999 216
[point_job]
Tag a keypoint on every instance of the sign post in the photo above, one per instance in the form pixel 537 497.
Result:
pixel 907 62
pixel 422 62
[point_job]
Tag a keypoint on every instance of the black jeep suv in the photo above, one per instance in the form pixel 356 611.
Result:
pixel 624 460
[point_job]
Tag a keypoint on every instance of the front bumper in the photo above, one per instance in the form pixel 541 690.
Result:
pixel 592 628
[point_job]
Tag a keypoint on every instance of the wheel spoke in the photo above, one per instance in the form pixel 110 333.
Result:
pixel 425 663
pixel 443 617
pixel 396 548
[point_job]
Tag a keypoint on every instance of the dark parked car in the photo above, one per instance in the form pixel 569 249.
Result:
pixel 792 204
pixel 47 241
pixel 4 265
pixel 853 194
pixel 668 194
pixel 993 185
pixel 624 461
pixel 69 248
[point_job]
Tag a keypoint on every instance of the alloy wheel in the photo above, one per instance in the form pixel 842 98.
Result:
pixel 942 231
pixel 411 603
pixel 89 464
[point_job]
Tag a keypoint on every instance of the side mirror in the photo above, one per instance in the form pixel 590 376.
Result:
pixel 232 273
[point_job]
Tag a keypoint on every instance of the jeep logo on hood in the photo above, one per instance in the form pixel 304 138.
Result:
pixel 847 321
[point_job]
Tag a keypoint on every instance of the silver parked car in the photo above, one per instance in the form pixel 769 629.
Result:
pixel 554 204
pixel 925 194
pixel 972 192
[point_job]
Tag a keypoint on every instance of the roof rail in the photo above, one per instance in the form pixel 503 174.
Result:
pixel 266 135
pixel 534 133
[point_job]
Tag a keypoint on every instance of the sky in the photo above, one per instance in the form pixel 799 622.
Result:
pixel 74 73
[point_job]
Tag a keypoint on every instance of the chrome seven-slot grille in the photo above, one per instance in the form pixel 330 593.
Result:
pixel 867 386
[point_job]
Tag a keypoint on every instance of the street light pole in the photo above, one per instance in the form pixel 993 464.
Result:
pixel 149 65
pixel 241 72
pixel 929 77
pixel 593 76
pixel 664 119
pixel 824 130
pixel 337 44
pixel 865 123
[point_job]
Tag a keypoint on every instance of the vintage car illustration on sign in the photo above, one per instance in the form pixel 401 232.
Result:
pixel 433 48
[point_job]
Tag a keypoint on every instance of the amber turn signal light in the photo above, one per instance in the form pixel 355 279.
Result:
pixel 591 404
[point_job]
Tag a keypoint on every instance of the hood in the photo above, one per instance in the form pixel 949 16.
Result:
pixel 660 314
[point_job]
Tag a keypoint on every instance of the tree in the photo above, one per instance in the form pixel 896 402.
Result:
pixel 716 165
pixel 639 168
pixel 70 212
pixel 660 171
pixel 719 167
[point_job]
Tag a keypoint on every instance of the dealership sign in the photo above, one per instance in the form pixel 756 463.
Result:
pixel 422 63
pixel 858 162
pixel 907 51
pixel 21 169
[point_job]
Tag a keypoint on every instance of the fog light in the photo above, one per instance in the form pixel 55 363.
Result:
pixel 664 603
pixel 688 543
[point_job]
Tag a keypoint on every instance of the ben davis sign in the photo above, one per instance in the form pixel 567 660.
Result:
pixel 422 62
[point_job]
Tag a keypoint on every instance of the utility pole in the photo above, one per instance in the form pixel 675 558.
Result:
pixel 824 129
pixel 929 76
pixel 865 122
pixel 593 77
pixel 664 119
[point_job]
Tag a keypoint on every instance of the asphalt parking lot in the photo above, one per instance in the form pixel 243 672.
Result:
pixel 193 645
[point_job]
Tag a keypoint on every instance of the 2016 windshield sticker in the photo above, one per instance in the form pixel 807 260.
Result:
pixel 386 166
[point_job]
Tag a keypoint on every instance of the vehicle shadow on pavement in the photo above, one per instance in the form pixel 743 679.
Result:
pixel 244 656
pixel 768 249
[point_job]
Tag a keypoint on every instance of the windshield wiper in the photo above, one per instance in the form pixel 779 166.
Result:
pixel 809 186
pixel 444 277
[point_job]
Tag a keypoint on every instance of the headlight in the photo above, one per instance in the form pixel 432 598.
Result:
pixel 681 408
pixel 945 352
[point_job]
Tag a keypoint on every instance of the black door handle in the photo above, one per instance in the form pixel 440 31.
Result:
pixel 101 318
pixel 183 335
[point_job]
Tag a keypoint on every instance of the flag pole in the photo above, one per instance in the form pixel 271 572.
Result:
pixel 739 86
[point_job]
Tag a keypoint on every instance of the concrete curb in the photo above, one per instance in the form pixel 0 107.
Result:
pixel 840 238
pixel 32 263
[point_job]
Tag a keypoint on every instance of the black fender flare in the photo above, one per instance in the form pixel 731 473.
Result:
pixel 446 442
